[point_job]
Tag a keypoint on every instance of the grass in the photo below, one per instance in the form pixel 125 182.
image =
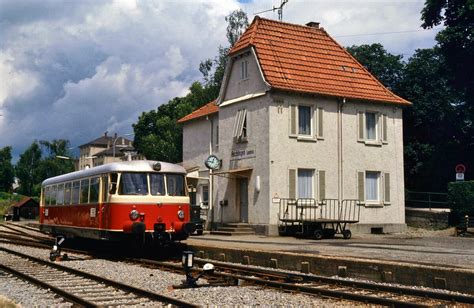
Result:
pixel 6 200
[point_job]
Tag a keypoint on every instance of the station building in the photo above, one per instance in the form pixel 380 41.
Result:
pixel 297 117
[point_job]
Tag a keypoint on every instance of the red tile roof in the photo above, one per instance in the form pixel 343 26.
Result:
pixel 205 110
pixel 24 201
pixel 306 59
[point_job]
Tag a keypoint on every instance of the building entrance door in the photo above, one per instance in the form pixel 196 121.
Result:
pixel 244 200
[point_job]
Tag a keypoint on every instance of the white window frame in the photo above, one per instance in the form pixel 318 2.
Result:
pixel 380 134
pixel 311 120
pixel 378 200
pixel 240 132
pixel 316 123
pixel 244 73
pixel 376 126
pixel 312 186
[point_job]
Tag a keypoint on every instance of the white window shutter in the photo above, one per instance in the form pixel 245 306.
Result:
pixel 243 115
pixel 293 110
pixel 292 183
pixel 386 187
pixel 361 186
pixel 236 124
pixel 384 128
pixel 361 133
pixel 378 121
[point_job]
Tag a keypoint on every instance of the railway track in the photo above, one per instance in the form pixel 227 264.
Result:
pixel 78 287
pixel 365 292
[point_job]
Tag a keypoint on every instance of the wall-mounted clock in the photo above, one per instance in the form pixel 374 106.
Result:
pixel 212 162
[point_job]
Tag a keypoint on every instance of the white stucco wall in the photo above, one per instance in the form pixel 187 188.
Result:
pixel 257 132
pixel 290 153
pixel 237 87
pixel 196 138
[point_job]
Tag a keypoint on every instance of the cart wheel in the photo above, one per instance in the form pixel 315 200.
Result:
pixel 318 234
pixel 346 234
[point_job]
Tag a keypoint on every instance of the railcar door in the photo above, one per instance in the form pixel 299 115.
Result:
pixel 103 204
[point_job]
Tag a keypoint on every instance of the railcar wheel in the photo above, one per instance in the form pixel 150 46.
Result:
pixel 347 234
pixel 318 234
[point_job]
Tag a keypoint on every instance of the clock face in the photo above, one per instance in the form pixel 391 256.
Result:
pixel 212 162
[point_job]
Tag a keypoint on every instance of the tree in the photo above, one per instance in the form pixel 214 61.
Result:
pixel 27 170
pixel 432 130
pixel 456 43
pixel 388 68
pixel 6 169
pixel 456 40
pixel 50 165
pixel 237 22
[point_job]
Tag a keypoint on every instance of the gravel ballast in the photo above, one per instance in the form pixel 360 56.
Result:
pixel 156 281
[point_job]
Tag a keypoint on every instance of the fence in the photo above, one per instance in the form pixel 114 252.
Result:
pixel 420 199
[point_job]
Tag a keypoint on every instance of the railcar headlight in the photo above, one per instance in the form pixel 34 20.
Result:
pixel 181 215
pixel 134 215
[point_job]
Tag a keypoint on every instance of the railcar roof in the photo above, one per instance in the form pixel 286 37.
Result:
pixel 131 166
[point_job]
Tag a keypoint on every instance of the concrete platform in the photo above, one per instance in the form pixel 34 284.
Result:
pixel 423 258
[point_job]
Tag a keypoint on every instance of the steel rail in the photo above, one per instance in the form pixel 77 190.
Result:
pixel 22 226
pixel 64 294
pixel 399 290
pixel 469 299
pixel 303 278
pixel 113 283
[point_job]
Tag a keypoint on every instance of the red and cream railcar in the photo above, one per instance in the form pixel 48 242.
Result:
pixel 134 199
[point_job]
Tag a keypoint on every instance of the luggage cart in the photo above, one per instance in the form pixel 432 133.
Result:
pixel 309 218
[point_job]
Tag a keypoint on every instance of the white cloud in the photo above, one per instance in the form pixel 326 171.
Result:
pixel 74 69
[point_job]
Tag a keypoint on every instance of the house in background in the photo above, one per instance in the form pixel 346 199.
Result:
pixel 27 208
pixel 106 149
pixel 298 117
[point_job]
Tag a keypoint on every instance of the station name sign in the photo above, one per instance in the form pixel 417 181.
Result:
pixel 244 153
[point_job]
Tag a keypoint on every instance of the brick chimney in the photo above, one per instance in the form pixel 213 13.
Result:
pixel 313 24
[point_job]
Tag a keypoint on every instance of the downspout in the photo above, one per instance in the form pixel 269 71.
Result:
pixel 211 176
pixel 340 163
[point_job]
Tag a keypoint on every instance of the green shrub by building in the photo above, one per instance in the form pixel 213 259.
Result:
pixel 461 200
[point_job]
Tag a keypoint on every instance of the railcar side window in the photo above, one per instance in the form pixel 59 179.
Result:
pixel 60 195
pixel 75 192
pixel 67 193
pixel 157 184
pixel 84 191
pixel 94 191
pixel 175 183
pixel 133 184
pixel 52 199
pixel 46 195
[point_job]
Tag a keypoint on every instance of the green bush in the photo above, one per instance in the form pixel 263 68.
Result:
pixel 461 199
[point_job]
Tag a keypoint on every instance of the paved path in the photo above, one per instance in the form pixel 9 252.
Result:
pixel 436 248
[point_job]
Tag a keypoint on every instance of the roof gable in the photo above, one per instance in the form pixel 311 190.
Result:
pixel 306 59
pixel 208 109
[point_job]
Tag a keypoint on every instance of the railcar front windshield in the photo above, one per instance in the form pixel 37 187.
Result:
pixel 157 184
pixel 136 183
pixel 133 184
pixel 175 183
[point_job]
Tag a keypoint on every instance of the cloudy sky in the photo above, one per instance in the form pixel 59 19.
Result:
pixel 73 69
